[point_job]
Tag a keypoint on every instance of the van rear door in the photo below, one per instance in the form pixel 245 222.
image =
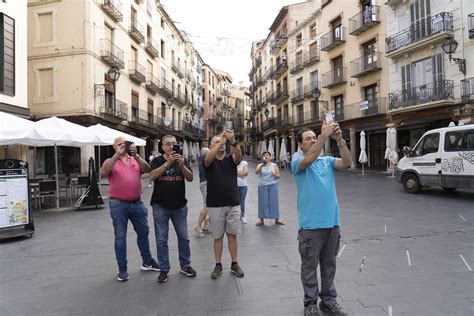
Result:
pixel 457 166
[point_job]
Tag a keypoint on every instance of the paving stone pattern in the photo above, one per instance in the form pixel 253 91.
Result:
pixel 69 268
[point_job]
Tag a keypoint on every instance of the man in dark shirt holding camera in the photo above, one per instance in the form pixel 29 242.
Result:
pixel 169 202
pixel 222 200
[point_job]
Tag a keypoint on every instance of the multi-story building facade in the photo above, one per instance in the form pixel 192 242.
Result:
pixel 240 108
pixel 210 84
pixel 427 89
pixel 70 63
pixel 13 65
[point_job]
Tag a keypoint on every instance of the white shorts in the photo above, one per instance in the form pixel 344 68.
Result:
pixel 225 219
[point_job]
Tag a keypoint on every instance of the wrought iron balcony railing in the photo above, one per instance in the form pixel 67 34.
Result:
pixel 277 70
pixel 280 95
pixel 311 57
pixel 152 83
pixel 137 72
pixel 306 118
pixel 431 92
pixel 310 89
pixel 334 77
pixel 423 29
pixel 296 65
pixel 166 87
pixel 111 54
pixel 152 48
pixel 113 8
pixel 297 95
pixel 278 43
pixel 136 30
pixel 467 89
pixel 365 65
pixel 364 20
pixel 333 38
pixel 107 108
pixel 365 108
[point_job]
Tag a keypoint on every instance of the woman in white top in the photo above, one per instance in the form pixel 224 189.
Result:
pixel 242 172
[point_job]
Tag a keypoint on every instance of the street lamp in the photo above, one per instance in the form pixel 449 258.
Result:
pixel 192 112
pixel 449 47
pixel 114 75
pixel 316 93
pixel 169 102
pixel 267 113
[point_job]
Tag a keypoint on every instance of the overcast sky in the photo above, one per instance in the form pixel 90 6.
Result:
pixel 223 30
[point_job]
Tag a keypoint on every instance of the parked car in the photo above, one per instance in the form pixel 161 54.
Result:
pixel 442 157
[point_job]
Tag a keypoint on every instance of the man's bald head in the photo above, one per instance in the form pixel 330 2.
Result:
pixel 119 141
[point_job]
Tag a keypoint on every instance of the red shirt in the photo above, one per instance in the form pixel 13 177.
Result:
pixel 125 180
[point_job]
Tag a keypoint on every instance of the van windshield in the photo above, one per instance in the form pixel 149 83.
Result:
pixel 427 145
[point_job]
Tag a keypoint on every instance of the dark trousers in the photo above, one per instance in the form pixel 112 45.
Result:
pixel 318 246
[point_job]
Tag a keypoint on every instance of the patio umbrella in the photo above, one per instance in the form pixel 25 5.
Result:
pixel 185 150
pixel 363 154
pixel 387 147
pixel 271 149
pixel 108 135
pixel 393 156
pixel 283 151
pixel 263 148
pixel 14 129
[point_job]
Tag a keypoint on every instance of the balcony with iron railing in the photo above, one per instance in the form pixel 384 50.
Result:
pixel 311 57
pixel 325 3
pixel 269 97
pixel 278 43
pixel 306 118
pixel 283 121
pixel 268 124
pixel 179 97
pixel 120 112
pixel 176 67
pixel 467 89
pixel 258 62
pixel 111 54
pixel 137 72
pixel 425 32
pixel 191 130
pixel 280 95
pixel 113 8
pixel 365 108
pixel 165 87
pixel 277 70
pixel 296 65
pixel 364 20
pixel 297 95
pixel 141 117
pixel 333 38
pixel 334 77
pixel 152 48
pixel 199 88
pixel 152 83
pixel 427 93
pixel 136 31
pixel 365 65
pixel 310 89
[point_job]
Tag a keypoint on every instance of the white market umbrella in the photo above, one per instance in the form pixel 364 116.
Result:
pixel 363 155
pixel 185 150
pixel 271 149
pixel 393 156
pixel 14 129
pixel 451 124
pixel 387 147
pixel 263 148
pixel 108 135
pixel 283 151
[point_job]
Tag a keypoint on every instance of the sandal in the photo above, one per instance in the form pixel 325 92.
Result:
pixel 259 223
pixel 279 222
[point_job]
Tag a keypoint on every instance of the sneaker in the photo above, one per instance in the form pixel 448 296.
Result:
pixel 122 276
pixel 163 277
pixel 217 272
pixel 198 233
pixel 334 309
pixel 311 310
pixel 244 221
pixel 153 266
pixel 150 185
pixel 189 271
pixel 236 270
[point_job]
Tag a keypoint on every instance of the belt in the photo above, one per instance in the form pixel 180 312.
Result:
pixel 131 202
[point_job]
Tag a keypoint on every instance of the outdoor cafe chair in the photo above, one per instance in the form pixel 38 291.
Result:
pixel 46 189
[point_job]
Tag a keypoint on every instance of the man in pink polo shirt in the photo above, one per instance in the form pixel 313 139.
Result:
pixel 124 171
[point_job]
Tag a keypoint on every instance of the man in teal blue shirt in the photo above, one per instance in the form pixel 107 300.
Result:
pixel 318 215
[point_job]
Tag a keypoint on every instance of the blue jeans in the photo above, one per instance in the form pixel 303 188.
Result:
pixel 179 218
pixel 137 213
pixel 243 195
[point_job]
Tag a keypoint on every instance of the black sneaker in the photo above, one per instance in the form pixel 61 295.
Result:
pixel 189 271
pixel 335 309
pixel 311 310
pixel 217 272
pixel 236 270
pixel 122 276
pixel 163 277
pixel 152 266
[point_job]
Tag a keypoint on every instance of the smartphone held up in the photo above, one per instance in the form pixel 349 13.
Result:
pixel 177 149
pixel 329 117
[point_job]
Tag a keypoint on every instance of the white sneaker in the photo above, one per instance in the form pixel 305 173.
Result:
pixel 244 221
pixel 150 185
pixel 198 233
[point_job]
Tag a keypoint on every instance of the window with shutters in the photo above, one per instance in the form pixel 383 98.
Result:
pixel 135 105
pixel 7 55
pixel 150 110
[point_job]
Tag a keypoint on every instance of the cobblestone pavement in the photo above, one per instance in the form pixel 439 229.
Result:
pixel 417 253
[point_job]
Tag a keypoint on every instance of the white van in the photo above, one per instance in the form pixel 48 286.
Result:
pixel 442 157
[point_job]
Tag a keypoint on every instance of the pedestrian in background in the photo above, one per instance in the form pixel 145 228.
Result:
pixel 198 231
pixel 223 199
pixel 124 173
pixel 268 199
pixel 153 155
pixel 242 172
pixel 318 216
pixel 169 172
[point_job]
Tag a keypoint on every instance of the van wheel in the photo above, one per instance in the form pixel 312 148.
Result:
pixel 449 189
pixel 411 184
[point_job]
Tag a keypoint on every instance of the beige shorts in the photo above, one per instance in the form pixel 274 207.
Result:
pixel 224 219
pixel 203 189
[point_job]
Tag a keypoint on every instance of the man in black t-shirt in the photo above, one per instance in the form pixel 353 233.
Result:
pixel 223 198
pixel 169 202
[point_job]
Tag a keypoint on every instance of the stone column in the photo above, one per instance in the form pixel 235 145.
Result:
pixel 156 144
pixel 86 152
pixel 353 141
pixel 277 148
pixel 293 142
